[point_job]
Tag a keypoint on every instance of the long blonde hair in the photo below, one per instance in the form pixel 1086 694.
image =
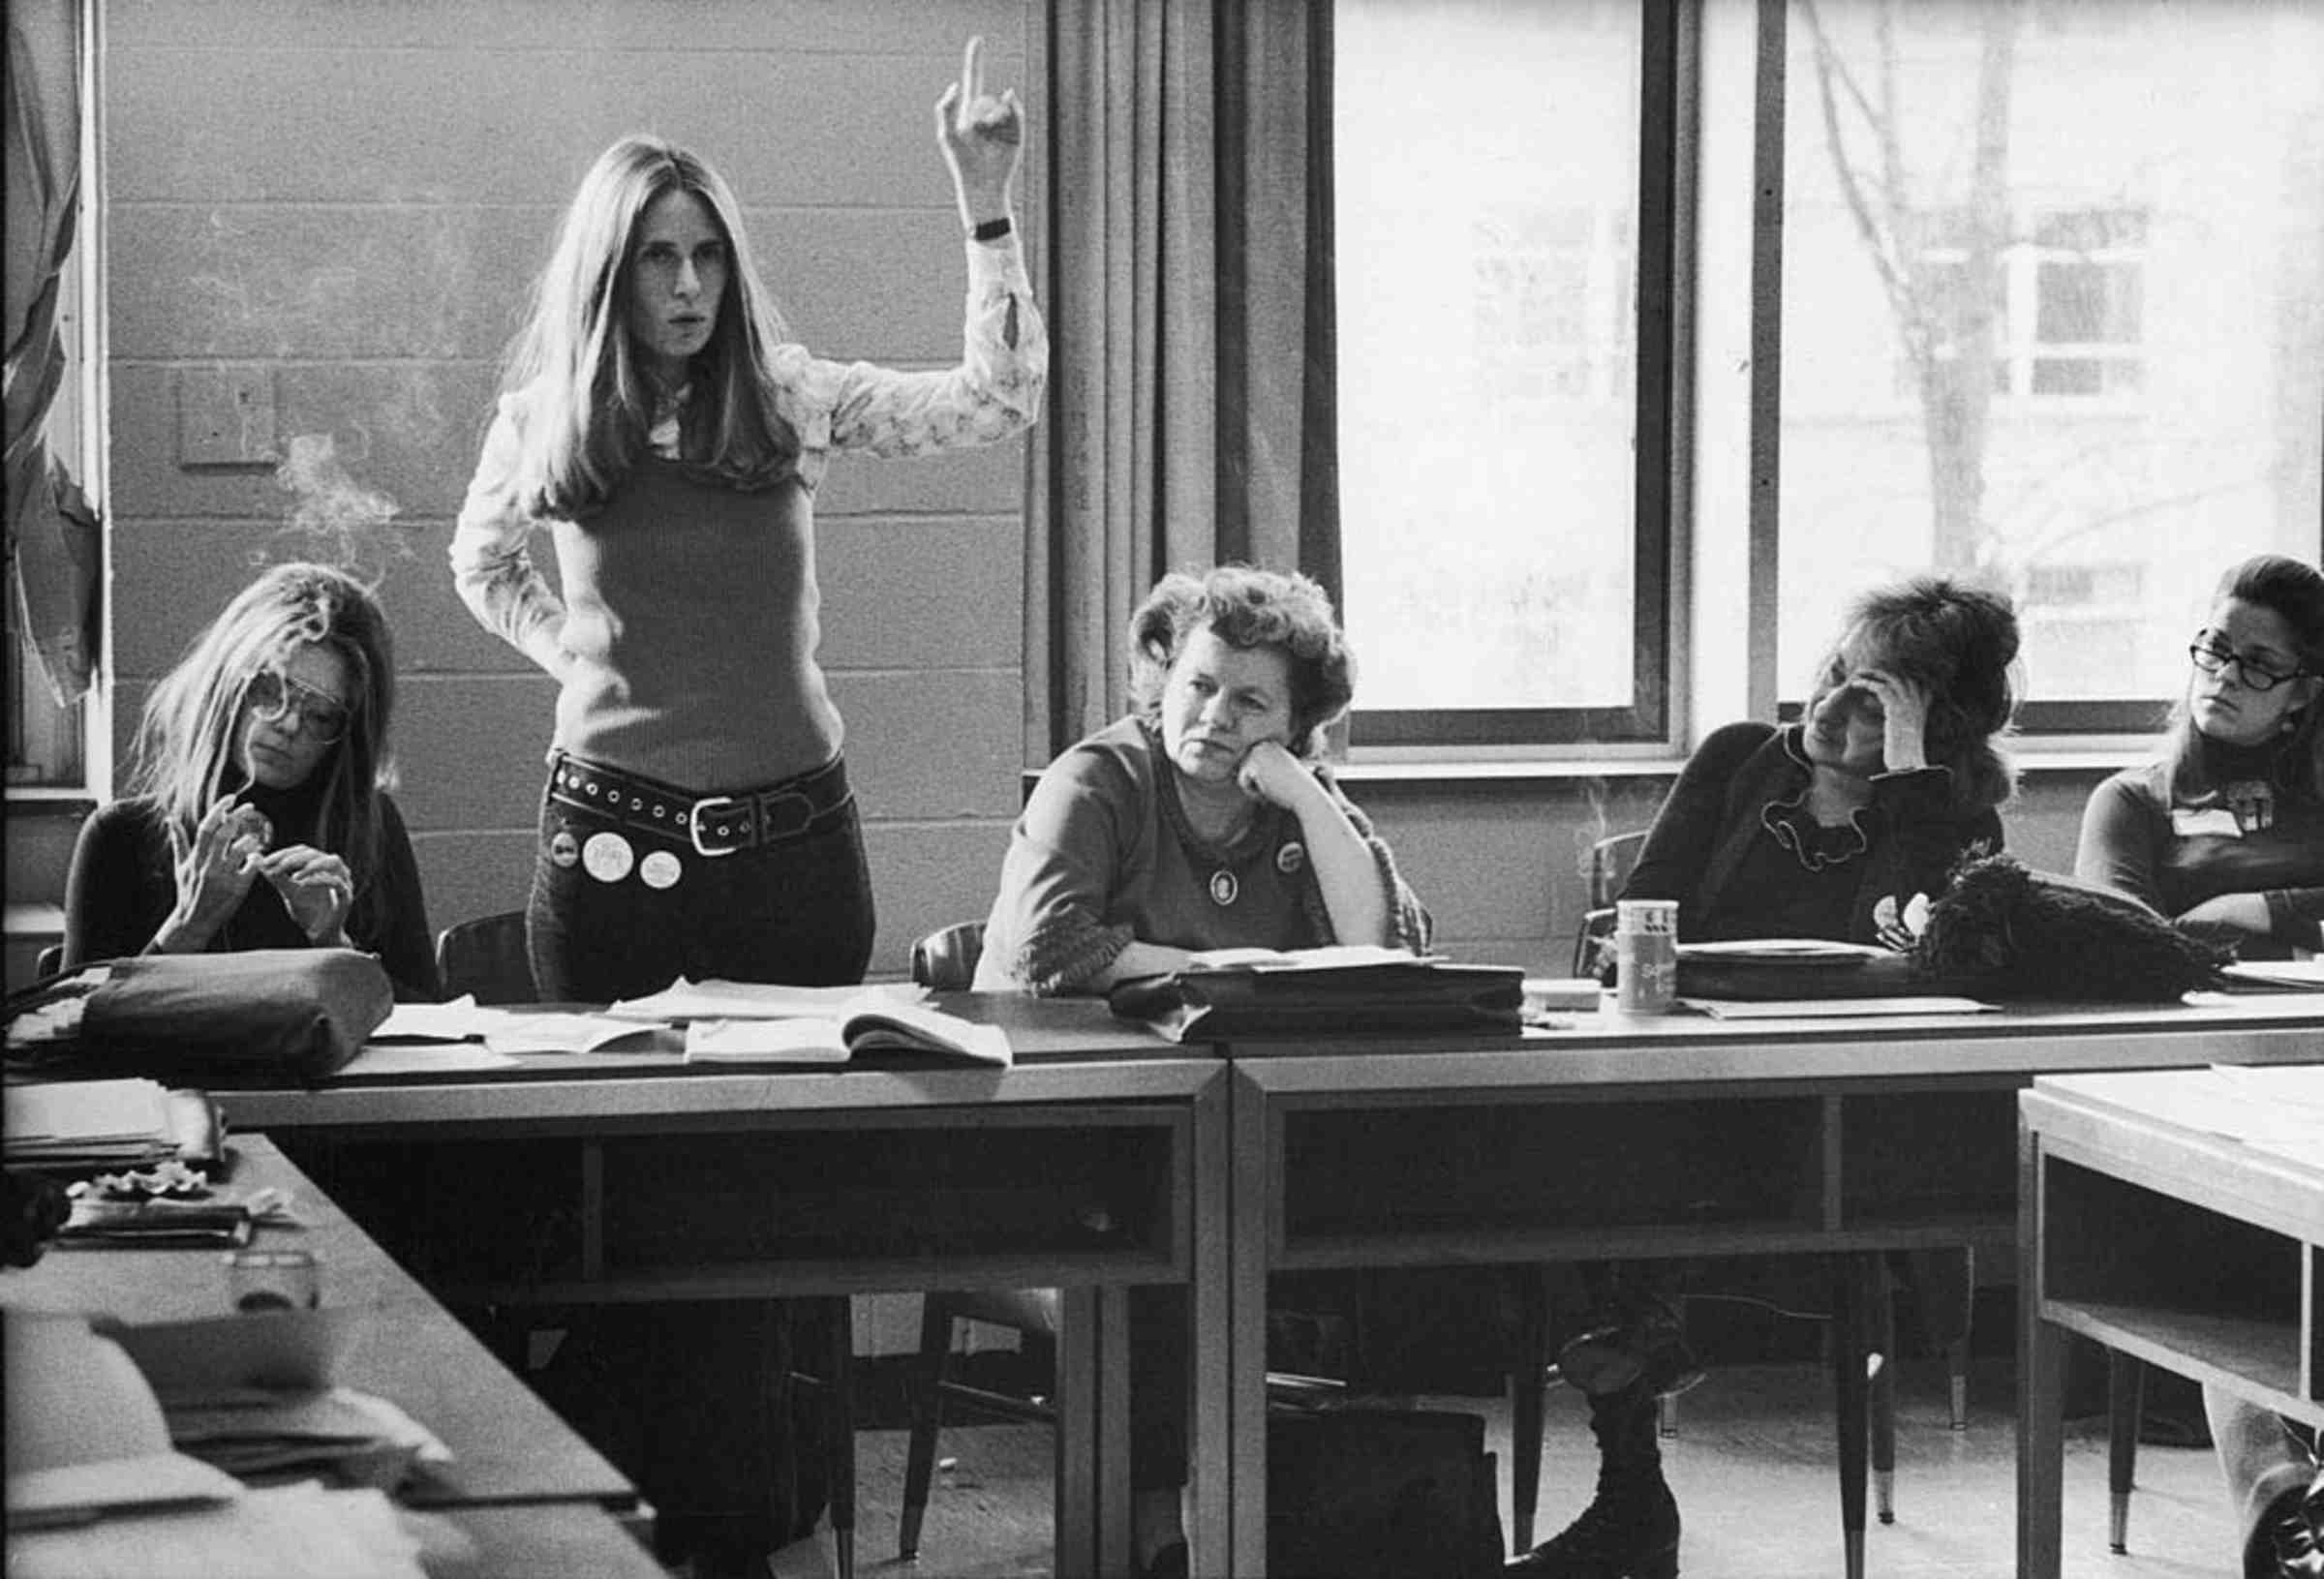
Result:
pixel 591 400
pixel 186 737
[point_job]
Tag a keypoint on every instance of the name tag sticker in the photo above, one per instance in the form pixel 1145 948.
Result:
pixel 2216 821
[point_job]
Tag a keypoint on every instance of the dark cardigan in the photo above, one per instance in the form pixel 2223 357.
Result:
pixel 1703 839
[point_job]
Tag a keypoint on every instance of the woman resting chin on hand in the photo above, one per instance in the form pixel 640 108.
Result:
pixel 1199 821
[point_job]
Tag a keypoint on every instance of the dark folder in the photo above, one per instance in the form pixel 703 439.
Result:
pixel 1420 998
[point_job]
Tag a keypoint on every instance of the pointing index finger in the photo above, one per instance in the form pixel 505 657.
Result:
pixel 972 74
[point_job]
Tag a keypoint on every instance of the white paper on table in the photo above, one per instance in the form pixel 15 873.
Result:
pixel 379 1060
pixel 562 1033
pixel 715 999
pixel 1833 1007
pixel 2295 973
pixel 459 1021
pixel 1330 957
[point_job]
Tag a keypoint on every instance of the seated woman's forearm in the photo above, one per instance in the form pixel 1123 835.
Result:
pixel 1138 960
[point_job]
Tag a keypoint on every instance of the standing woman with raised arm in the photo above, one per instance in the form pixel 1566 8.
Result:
pixel 657 420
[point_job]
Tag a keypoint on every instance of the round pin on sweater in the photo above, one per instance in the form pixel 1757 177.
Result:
pixel 607 856
pixel 1291 858
pixel 659 869
pixel 563 848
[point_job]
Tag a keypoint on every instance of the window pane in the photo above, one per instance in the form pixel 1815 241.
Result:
pixel 2138 406
pixel 1486 179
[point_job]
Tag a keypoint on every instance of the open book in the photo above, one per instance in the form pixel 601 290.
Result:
pixel 867 1027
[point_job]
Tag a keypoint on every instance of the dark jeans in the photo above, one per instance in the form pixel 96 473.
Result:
pixel 694 1399
pixel 798 912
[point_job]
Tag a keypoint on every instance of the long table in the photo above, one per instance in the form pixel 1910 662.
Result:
pixel 1837 1138
pixel 1096 1163
pixel 2152 1225
pixel 530 1495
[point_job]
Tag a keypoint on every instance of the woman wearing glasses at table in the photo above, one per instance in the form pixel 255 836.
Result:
pixel 2224 829
pixel 259 816
pixel 2223 832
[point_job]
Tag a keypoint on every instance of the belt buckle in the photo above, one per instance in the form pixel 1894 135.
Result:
pixel 702 810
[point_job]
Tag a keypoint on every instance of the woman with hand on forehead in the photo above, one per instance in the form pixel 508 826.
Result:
pixel 661 426
pixel 259 816
pixel 1828 828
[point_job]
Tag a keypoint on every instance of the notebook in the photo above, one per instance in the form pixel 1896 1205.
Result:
pixel 868 1028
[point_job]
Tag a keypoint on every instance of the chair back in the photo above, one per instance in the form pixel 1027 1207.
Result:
pixel 945 960
pixel 51 959
pixel 1611 861
pixel 487 957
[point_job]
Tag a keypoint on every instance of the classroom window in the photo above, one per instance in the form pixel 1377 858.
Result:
pixel 2053 315
pixel 1505 527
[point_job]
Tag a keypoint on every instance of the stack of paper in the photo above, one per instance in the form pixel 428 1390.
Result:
pixel 71 1126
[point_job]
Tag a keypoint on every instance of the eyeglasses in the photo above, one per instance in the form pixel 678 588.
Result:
pixel 274 695
pixel 2215 656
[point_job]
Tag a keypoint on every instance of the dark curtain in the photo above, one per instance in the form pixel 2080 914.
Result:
pixel 1188 290
pixel 55 560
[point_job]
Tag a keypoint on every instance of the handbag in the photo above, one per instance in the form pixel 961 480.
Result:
pixel 251 1016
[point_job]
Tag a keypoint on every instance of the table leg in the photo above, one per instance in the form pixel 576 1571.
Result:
pixel 1881 1380
pixel 1081 1332
pixel 2040 1384
pixel 1849 1300
pixel 1112 1410
pixel 1244 1554
pixel 2126 1402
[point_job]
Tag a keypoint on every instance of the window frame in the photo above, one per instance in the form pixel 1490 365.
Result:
pixel 1667 71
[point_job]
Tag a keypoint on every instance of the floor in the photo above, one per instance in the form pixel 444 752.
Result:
pixel 1751 1465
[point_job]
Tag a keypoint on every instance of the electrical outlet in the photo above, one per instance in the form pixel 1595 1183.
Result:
pixel 226 416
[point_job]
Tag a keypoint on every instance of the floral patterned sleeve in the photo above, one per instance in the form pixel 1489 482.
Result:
pixel 491 565
pixel 994 392
pixel 1409 926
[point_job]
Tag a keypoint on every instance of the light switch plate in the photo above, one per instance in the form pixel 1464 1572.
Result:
pixel 226 416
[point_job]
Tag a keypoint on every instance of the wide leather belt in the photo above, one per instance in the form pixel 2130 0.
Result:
pixel 714 825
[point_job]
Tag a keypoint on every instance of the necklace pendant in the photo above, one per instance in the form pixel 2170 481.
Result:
pixel 1224 888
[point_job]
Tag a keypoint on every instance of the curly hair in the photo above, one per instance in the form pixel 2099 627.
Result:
pixel 2295 591
pixel 1959 643
pixel 595 403
pixel 1247 608
pixel 187 734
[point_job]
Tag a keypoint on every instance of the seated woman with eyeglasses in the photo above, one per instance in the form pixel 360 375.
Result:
pixel 259 816
pixel 1827 828
pixel 2223 832
pixel 2224 829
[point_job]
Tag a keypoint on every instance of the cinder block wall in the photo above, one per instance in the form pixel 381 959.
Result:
pixel 324 221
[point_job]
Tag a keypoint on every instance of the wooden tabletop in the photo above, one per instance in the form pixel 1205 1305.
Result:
pixel 507 1447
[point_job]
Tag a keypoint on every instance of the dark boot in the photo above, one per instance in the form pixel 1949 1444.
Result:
pixel 1642 1341
pixel 2289 1543
pixel 1630 1530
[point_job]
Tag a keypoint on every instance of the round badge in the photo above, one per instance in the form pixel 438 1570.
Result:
pixel 607 856
pixel 659 869
pixel 1291 858
pixel 1224 888
pixel 563 848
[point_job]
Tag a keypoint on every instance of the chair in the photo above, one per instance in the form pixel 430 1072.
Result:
pixel 486 956
pixel 1610 862
pixel 49 961
pixel 945 961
